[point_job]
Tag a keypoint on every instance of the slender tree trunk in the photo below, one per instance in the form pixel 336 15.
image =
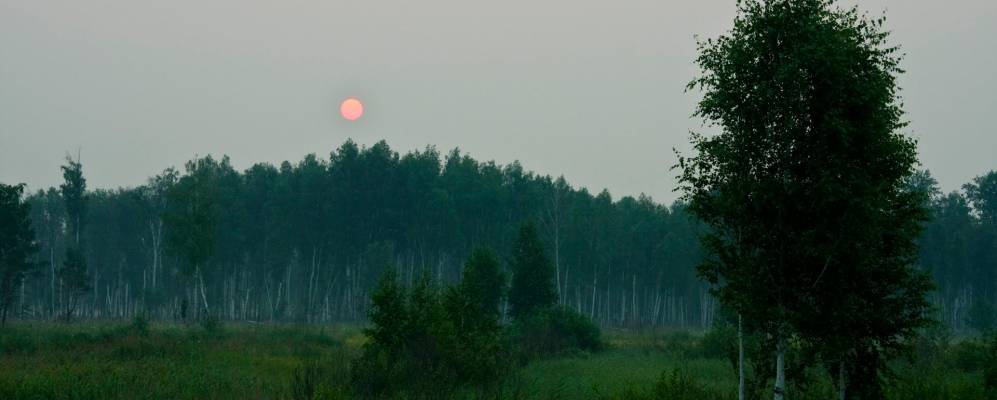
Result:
pixel 51 263
pixel 740 358
pixel 780 369
pixel 204 298
pixel 842 380
pixel 595 281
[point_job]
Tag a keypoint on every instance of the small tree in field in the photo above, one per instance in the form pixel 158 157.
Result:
pixel 373 373
pixel 532 274
pixel 473 310
pixel 17 245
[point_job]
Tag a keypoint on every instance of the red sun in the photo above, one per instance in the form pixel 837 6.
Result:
pixel 351 109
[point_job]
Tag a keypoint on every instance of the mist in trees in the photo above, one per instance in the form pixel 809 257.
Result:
pixel 292 242
pixel 306 241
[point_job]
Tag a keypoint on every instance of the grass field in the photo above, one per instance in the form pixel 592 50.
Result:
pixel 248 361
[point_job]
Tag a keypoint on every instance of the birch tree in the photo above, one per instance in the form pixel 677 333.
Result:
pixel 803 186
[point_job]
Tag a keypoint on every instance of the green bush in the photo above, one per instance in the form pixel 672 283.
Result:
pixel 422 344
pixel 553 331
pixel 720 342
pixel 140 325
pixel 990 368
pixel 967 355
pixel 212 324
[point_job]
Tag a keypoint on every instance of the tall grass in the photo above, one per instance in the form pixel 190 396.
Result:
pixel 100 361
pixel 142 360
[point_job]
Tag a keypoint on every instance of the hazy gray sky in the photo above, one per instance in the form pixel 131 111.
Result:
pixel 592 90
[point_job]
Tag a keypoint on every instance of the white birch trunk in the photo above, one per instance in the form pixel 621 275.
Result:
pixel 780 369
pixel 842 380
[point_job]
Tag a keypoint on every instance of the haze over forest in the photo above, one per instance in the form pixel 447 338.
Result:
pixel 505 200
pixel 590 90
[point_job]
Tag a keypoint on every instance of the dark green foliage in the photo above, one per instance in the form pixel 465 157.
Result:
pixel 374 372
pixel 74 279
pixel 482 287
pixel 191 217
pixel 982 192
pixel 17 245
pixel 415 348
pixel 814 225
pixel 553 331
pixel 140 325
pixel 74 194
pixel 430 341
pixel 532 275
pixel 306 239
pixel 990 367
pixel 473 310
pixel 939 367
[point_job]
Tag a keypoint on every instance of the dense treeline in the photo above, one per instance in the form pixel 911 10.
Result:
pixel 307 241
pixel 959 248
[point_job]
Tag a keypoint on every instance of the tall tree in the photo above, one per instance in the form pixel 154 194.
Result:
pixel 191 218
pixel 804 186
pixel 74 275
pixel 17 245
pixel 982 194
pixel 532 274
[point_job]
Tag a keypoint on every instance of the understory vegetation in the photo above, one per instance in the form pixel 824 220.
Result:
pixel 274 361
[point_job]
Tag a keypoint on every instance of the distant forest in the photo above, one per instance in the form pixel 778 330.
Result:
pixel 307 241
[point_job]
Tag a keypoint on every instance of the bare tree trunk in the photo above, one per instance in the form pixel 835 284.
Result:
pixel 51 262
pixel 842 380
pixel 740 358
pixel 204 297
pixel 595 281
pixel 780 368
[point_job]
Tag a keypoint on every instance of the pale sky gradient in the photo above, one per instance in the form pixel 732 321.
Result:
pixel 592 90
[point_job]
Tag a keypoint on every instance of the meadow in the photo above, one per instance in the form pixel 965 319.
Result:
pixel 138 360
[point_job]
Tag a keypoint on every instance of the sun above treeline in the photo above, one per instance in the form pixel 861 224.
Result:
pixel 351 109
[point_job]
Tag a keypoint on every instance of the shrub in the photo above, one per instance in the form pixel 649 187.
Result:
pixel 212 324
pixel 140 325
pixel 990 368
pixel 415 349
pixel 552 331
pixel 720 342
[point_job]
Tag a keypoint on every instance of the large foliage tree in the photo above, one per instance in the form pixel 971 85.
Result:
pixel 191 218
pixel 17 245
pixel 805 185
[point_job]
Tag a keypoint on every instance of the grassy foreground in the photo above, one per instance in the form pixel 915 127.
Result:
pixel 249 361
